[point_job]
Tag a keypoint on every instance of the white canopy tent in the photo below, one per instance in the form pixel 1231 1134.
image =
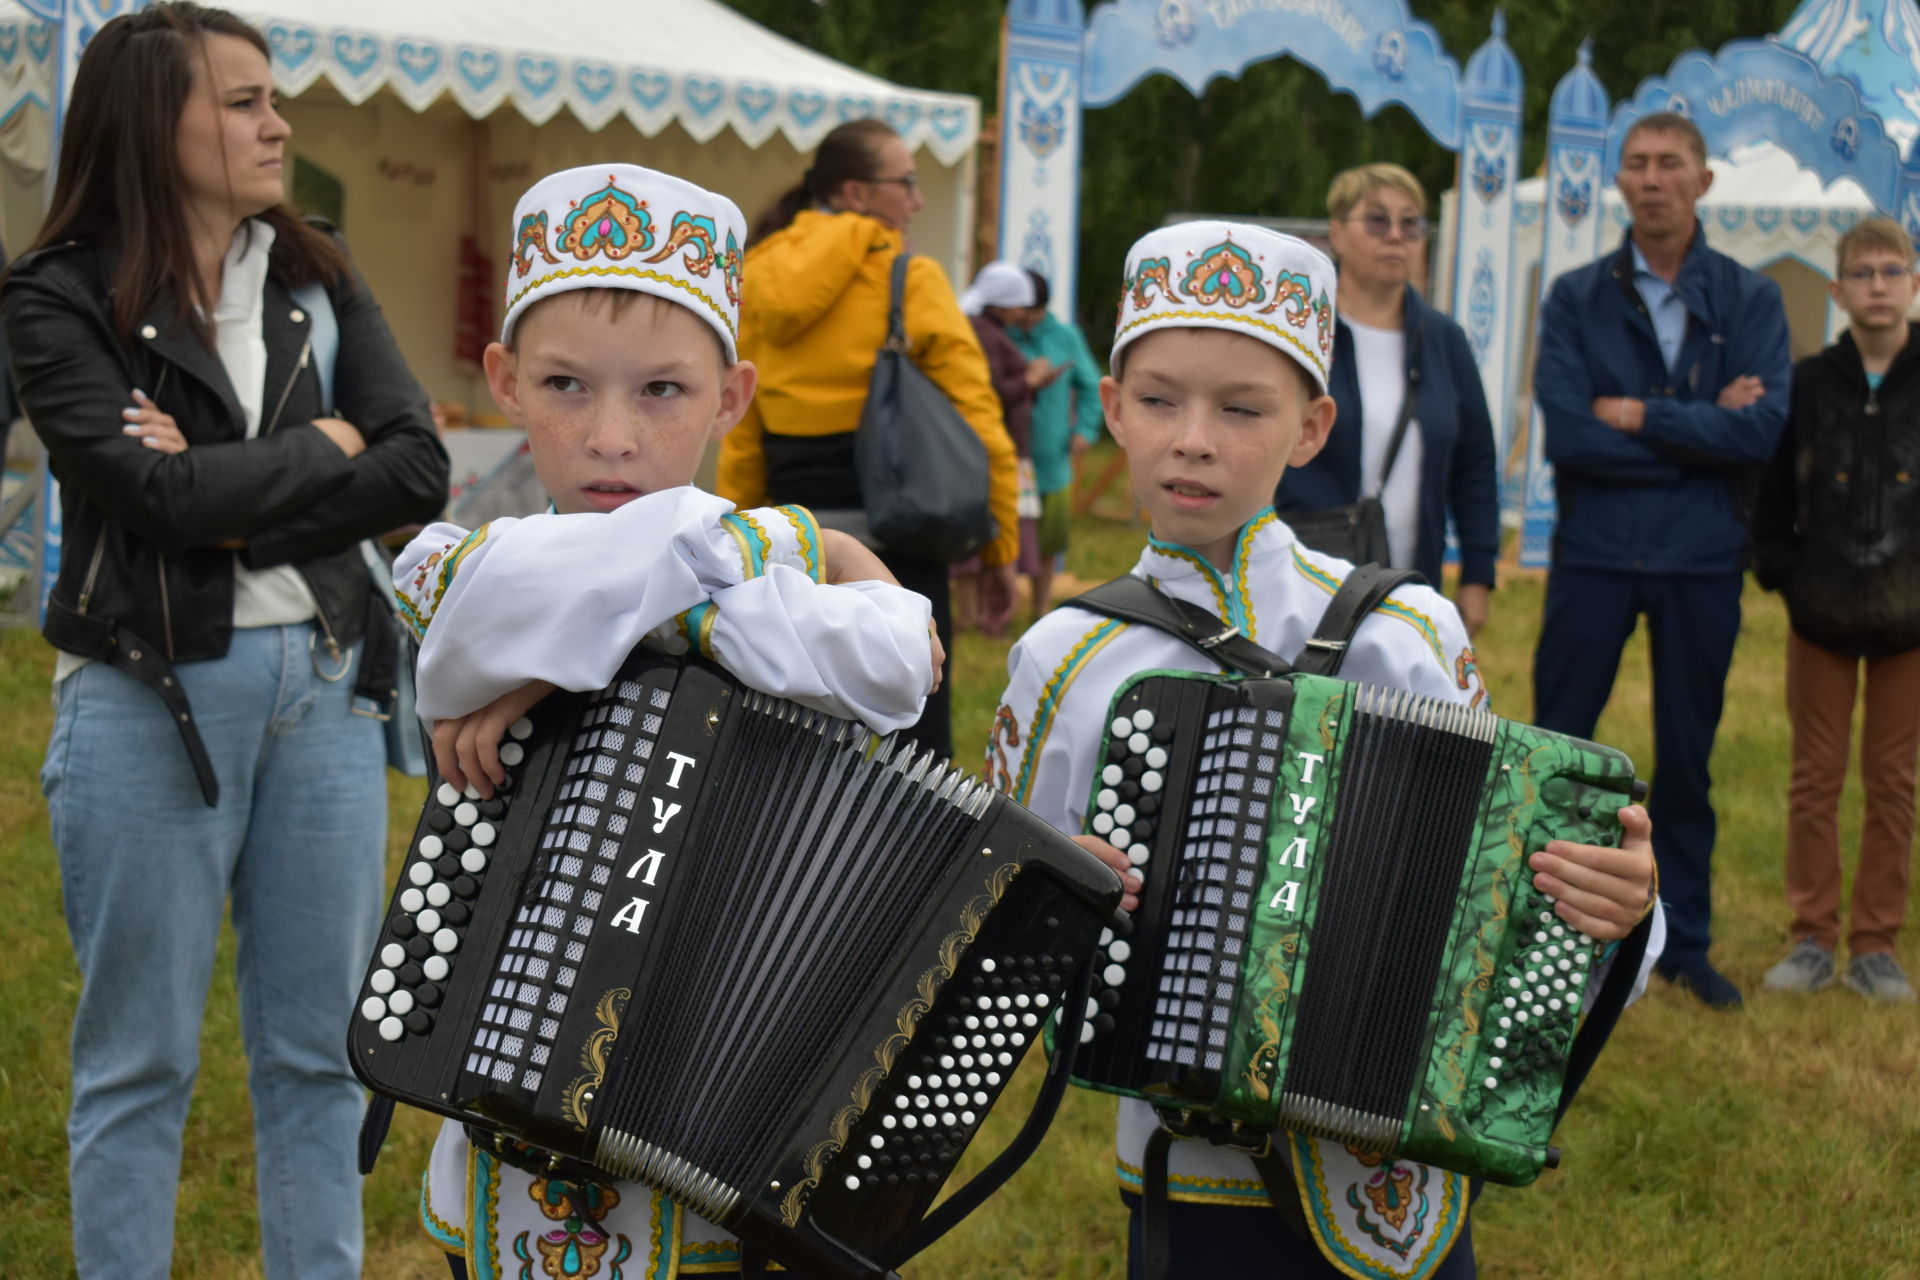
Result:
pixel 397 112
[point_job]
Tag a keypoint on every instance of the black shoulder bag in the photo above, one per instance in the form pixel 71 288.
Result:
pixel 1357 532
pixel 923 470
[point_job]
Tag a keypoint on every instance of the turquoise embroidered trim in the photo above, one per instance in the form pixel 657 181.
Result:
pixel 699 622
pixel 753 541
pixel 1055 689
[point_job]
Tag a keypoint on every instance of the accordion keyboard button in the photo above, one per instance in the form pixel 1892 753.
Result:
pixel 420 874
pixel 1118 951
pixel 381 981
pixel 391 1028
pixel 373 1008
pixel 428 920
pixel 400 1001
pixel 445 940
pixel 512 753
pixel 466 814
pixel 438 894
pixel 466 886
pixel 493 810
pixel 447 795
pixel 483 834
pixel 1138 744
pixel 412 900
pixel 1156 758
pixel 440 821
pixel 1143 719
pixel 419 1022
pixel 1123 815
pixel 435 968
pixel 520 730
pixel 432 847
pixel 1121 727
pixel 1151 781
pixel 1113 775
pixel 473 862
pixel 458 841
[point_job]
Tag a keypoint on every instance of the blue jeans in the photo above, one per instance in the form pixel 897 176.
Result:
pixel 298 842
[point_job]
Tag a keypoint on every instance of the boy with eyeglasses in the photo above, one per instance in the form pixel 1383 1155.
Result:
pixel 1837 532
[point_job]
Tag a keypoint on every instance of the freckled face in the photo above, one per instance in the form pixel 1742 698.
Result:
pixel 615 406
pixel 1210 421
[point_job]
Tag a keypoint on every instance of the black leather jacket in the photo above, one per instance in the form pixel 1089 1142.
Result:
pixel 1836 529
pixel 144 581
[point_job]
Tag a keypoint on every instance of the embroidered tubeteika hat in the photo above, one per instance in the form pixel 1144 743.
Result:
pixel 1236 277
pixel 618 226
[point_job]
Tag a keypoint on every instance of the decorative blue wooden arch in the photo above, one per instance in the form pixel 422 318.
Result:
pixel 1057 62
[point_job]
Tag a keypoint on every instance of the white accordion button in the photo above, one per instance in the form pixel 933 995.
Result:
pixel 428 920
pixel 1113 775
pixel 1093 1006
pixel 1120 838
pixel 1029 1020
pixel 1121 727
pixel 1492 1083
pixel 1114 974
pixel 876 1141
pixel 1151 780
pixel 1118 951
pixel 1538 1012
pixel 1494 1063
pixel 949 1119
pixel 412 900
pixel 1107 798
pixel 946 1062
pixel 390 1029
pixel 432 846
pixel 420 873
pixel 467 814
pixel 1554 1005
pixel 966 1117
pixel 446 795
pixel 373 1008
pixel 483 834
pixel 473 861
pixel 512 753
pixel 1106 936
pixel 1139 853
pixel 445 940
pixel 1040 999
pixel 1521 1017
pixel 1505 1023
pixel 913 1082
pixel 382 981
pixel 997 1040
pixel 438 894
pixel 1156 758
pixel 472 792
pixel 1511 1003
pixel 910 1120
pixel 1515 982
pixel 1499 1042
pixel 393 955
pixel 853 1182
pixel 1005 1060
pixel 865 1162
pixel 1143 719
pixel 887 1122
pixel 435 967
pixel 1580 957
pixel 993 1078
pixel 1124 815
pixel 1086 1033
pixel 1102 823
pixel 401 1002
pixel 1139 743
pixel 520 729
pixel 1020 1001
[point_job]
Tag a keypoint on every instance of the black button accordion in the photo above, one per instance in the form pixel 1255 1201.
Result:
pixel 735 949
pixel 1339 934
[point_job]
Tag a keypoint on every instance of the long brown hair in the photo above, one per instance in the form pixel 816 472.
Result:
pixel 119 164
pixel 850 153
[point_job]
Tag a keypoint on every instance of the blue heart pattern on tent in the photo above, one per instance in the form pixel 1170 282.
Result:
pixel 649 88
pixel 478 67
pixel 291 46
pixel 755 101
pixel 9 44
pixel 538 76
pixel 419 61
pixel 594 80
pixel 856 108
pixel 949 122
pixel 902 115
pixel 1805 221
pixel 40 40
pixel 1766 219
pixel 1731 217
pixel 356 53
pixel 703 95
pixel 805 106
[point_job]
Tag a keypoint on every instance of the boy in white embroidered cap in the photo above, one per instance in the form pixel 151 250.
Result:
pixel 1219 383
pixel 618 358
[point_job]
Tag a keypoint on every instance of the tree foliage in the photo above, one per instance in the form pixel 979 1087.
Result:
pixel 1267 143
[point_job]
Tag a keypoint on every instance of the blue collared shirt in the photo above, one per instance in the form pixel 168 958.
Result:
pixel 1665 307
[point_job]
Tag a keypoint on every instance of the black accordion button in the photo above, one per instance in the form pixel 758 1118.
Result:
pixel 1130 792
pixel 1149 804
pixel 456 914
pixel 1134 767
pixel 458 841
pixel 411 975
pixel 428 995
pixel 440 821
pixel 1162 733
pixel 1103 1023
pixel 402 927
pixel 506 785
pixel 465 886
pixel 447 865
pixel 494 808
pixel 1109 998
pixel 419 1022
pixel 1142 830
pixel 419 946
pixel 1117 750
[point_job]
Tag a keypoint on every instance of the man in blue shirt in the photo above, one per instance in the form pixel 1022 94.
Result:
pixel 1662 378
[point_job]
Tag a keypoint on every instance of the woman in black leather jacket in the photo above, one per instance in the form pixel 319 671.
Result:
pixel 222 652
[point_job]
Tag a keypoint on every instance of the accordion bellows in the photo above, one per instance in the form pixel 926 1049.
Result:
pixel 1339 933
pixel 735 949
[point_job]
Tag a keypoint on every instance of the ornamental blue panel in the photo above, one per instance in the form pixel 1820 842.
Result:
pixel 1373 49
pixel 1872 44
pixel 1754 90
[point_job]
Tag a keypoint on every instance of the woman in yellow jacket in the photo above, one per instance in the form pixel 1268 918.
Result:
pixel 813 314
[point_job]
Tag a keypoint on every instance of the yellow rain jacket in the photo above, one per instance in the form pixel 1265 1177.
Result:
pixel 813 313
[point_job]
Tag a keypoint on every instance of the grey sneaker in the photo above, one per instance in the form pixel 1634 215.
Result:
pixel 1877 976
pixel 1807 968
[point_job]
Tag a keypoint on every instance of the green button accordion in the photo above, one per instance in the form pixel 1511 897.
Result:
pixel 1338 933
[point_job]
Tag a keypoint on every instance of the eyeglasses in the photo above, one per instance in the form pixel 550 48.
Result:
pixel 911 182
pixel 1890 273
pixel 1379 226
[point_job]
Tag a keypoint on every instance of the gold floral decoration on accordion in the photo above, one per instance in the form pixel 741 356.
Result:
pixel 1266 1059
pixel 887 1052
pixel 593 1055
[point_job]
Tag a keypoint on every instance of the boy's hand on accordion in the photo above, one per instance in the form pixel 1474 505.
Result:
pixel 467 750
pixel 1603 892
pixel 1129 878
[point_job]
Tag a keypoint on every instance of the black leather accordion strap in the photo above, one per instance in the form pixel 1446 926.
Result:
pixel 1598 1024
pixel 373 1130
pixel 1132 599
pixel 1363 591
pixel 1156 1237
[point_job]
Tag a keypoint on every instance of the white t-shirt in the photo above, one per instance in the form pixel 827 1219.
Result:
pixel 1380 363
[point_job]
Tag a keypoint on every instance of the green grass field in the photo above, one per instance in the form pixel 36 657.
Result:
pixel 1781 1142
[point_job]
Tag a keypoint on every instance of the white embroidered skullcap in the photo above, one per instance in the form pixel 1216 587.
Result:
pixel 618 226
pixel 999 284
pixel 1231 276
